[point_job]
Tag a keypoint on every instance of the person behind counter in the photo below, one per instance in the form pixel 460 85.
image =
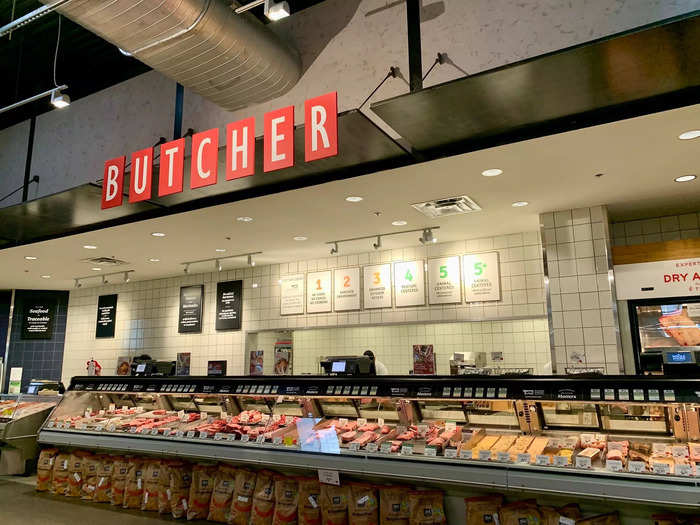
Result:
pixel 377 368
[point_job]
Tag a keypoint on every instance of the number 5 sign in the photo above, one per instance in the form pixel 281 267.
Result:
pixel 444 280
pixel 346 289
pixel 482 277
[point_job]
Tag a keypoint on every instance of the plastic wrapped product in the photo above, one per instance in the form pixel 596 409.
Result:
pixel 426 507
pixel 44 469
pixel 483 510
pixel 91 466
pixel 309 501
pixel 152 474
pixel 363 505
pixel 286 501
pixel 224 483
pixel 133 489
pixel 334 504
pixel 103 487
pixel 263 499
pixel 200 491
pixel 180 475
pixel 242 501
pixel 75 473
pixel 120 469
pixel 164 488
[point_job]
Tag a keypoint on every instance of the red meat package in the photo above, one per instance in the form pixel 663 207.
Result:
pixel 224 483
pixel 242 501
pixel 200 491
pixel 263 499
pixel 286 501
pixel 309 509
pixel 44 469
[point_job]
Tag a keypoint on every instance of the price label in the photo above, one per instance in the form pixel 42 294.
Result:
pixel 561 461
pixel 190 433
pixel 276 417
pixel 124 408
pixel 203 435
pixel 465 454
pixel 231 437
pixel 422 429
pixel 385 448
pixel 342 422
pixel 80 426
pixel 583 462
pixel 450 425
pixel 660 468
pixel 144 431
pixel 243 418
pixel 430 451
pixel 277 440
pixel 224 415
pixel 679 451
pixel 566 521
pixel 154 432
pixel 637 467
pixel 450 452
pixel 406 450
pixel 260 439
pixel 244 438
pixel 329 477
pixel 484 455
pixel 371 447
pixel 380 421
pixel 218 436
pixel 101 413
pixel 133 430
pixel 361 421
pixel 112 407
pixel 354 446
pixel 180 414
pixel 288 441
pixel 51 424
pixel 613 465
pixel 111 428
pixel 503 457
pixel 180 433
pixel 542 460
pixel 683 470
pixel 523 459
pixel 202 416
pixel 88 412
pixel 99 428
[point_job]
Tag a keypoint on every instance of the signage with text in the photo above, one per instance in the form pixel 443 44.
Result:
pixel 229 298
pixel 677 278
pixel 320 141
pixel 346 289
pixel 38 317
pixel 409 283
pixel 318 292
pixel 444 280
pixel 106 315
pixel 190 318
pixel 376 286
pixel 482 277
pixel 292 294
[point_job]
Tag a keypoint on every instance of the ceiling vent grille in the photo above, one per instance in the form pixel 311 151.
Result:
pixel 447 206
pixel 105 261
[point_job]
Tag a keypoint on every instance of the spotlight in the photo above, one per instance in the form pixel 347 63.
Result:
pixel 251 262
pixel 104 280
pixel 126 277
pixel 187 268
pixel 59 100
pixel 78 284
pixel 334 249
pixel 427 236
pixel 276 10
pixel 217 264
pixel 377 244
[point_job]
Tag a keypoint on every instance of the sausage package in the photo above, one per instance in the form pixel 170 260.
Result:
pixel 164 488
pixel 133 489
pixel 120 469
pixel 520 513
pixel 309 508
pixel 200 491
pixel 483 510
pixel 220 505
pixel 263 499
pixel 242 501
pixel 75 473
pixel 91 465
pixel 393 505
pixel 152 473
pixel 286 501
pixel 334 504
pixel 103 487
pixel 44 469
pixel 59 479
pixel 180 475
pixel 363 506
pixel 426 507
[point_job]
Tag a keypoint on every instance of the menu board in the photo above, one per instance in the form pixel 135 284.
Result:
pixel 409 283
pixel 292 294
pixel 346 289
pixel 190 318
pixel 318 292
pixel 106 315
pixel 376 287
pixel 444 280
pixel 229 297
pixel 423 360
pixel 38 317
pixel 482 278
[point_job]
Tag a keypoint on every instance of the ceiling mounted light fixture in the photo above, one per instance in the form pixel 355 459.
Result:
pixel 157 234
pixel 353 198
pixel 300 238
pixel 153 259
pixel 220 250
pixel 95 269
pixel 685 178
pixel 427 236
pixel 276 10
pixel 90 247
pixel 78 284
pixel 334 249
pixel 492 172
pixel 126 277
pixel 520 204
pixel 187 268
pixel 688 135
pixel 104 280
pixel 244 219
pixel 251 262
pixel 46 277
pixel 378 244
pixel 217 265
pixel 30 258
pixel 399 223
pixel 59 100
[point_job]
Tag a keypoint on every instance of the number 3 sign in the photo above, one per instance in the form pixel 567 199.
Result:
pixel 346 289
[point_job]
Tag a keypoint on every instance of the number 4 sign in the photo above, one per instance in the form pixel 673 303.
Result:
pixel 347 289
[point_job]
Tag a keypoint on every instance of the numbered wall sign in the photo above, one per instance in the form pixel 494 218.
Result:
pixel 346 288
pixel 292 294
pixel 318 292
pixel 409 283
pixel 482 277
pixel 377 286
pixel 444 280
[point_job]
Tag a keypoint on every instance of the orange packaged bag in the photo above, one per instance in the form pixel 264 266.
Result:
pixel 59 476
pixel 164 488
pixel 263 499
pixel 286 501
pixel 242 501
pixel 120 469
pixel 44 469
pixel 200 491
pixel 483 510
pixel 75 473
pixel 221 496
pixel 334 504
pixel 133 489
pixel 90 468
pixel 309 509
pixel 363 506
pixel 426 507
pixel 180 475
pixel 152 473
pixel 103 489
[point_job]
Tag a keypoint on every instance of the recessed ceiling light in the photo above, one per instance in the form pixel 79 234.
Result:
pixel 519 204
pixel 46 277
pixel 493 172
pixel 685 178
pixel 692 134
pixel 30 257
pixel 300 238
pixel 220 250
pixel 158 234
pixel 90 247
pixel 255 285
pixel 244 219
pixel 353 198
pixel 97 269
pixel 153 259
pixel 399 223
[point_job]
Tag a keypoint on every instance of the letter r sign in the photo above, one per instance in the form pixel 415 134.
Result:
pixel 321 127
pixel 113 183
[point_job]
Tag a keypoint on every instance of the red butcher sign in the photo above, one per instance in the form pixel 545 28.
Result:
pixel 320 141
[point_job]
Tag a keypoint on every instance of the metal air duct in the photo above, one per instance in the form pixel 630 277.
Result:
pixel 232 60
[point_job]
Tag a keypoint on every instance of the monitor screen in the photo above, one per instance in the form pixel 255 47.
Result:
pixel 680 357
pixel 140 368
pixel 32 389
pixel 338 366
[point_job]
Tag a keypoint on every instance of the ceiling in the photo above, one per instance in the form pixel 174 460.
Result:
pixel 639 158
pixel 85 63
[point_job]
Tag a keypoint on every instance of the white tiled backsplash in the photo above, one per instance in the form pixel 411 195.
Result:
pixel 147 310
pixel 657 229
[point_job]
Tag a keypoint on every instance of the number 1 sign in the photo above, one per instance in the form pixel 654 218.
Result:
pixel 346 289
pixel 318 292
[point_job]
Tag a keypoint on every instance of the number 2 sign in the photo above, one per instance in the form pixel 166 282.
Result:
pixel 346 289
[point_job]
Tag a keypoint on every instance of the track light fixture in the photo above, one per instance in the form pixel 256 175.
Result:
pixel 334 249
pixel 251 262
pixel 217 260
pixel 377 244
pixel 126 277
pixel 187 268
pixel 273 10
pixel 104 279
pixel 427 236
pixel 59 100
pixel 78 284
pixel 217 264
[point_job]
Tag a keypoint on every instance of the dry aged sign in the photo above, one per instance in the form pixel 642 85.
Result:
pixel 106 315
pixel 318 292
pixel 320 141
pixel 376 288
pixel 444 280
pixel 676 278
pixel 482 278
pixel 229 296
pixel 346 288
pixel 38 317
pixel 292 294
pixel 409 283
pixel 190 319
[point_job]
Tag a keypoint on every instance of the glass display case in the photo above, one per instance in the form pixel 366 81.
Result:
pixel 619 437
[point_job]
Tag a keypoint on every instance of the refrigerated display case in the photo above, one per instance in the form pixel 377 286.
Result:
pixel 615 437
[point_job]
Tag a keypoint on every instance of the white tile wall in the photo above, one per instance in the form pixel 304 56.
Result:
pixel 147 310
pixel 656 229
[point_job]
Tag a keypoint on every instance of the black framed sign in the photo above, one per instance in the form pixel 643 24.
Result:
pixel 229 299
pixel 190 319
pixel 106 315
pixel 38 317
